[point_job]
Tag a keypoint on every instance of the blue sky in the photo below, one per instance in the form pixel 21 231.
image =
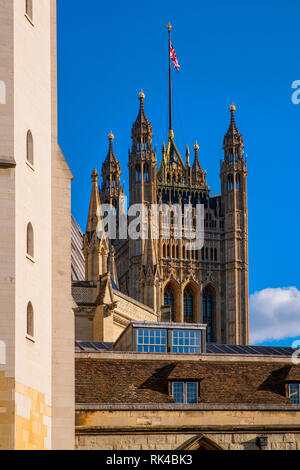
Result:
pixel 246 52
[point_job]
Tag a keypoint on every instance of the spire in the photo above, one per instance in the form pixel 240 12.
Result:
pixel 196 164
pixel 111 188
pixel 142 128
pixel 111 159
pixel 94 205
pixel 233 141
pixel 198 175
pixel 95 249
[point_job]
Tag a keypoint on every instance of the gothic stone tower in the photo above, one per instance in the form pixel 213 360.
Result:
pixel 235 242
pixel 36 317
pixel 143 273
pixel 208 285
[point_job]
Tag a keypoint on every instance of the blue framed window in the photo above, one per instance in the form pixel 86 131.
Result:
pixel 186 341
pixel 185 392
pixel 169 299
pixel 294 393
pixel 151 340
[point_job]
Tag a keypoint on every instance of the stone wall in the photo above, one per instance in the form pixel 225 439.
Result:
pixel 167 441
pixel 170 427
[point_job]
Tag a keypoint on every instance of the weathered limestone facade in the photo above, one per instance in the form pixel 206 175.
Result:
pixel 102 313
pixel 36 377
pixel 186 440
pixel 101 310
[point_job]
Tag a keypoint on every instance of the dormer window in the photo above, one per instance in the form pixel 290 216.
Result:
pixel 185 392
pixel 293 391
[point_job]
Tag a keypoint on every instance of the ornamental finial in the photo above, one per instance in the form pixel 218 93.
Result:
pixel 232 108
pixel 94 176
pixel 111 136
pixel 169 26
pixel 142 95
pixel 196 146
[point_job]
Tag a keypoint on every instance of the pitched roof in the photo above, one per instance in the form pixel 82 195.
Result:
pixel 123 381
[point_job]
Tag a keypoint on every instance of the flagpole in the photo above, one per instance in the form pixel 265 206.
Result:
pixel 170 78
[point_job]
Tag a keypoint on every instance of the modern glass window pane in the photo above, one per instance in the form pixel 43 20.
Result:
pixel 186 341
pixel 191 392
pixel 178 392
pixel 151 340
pixel 294 394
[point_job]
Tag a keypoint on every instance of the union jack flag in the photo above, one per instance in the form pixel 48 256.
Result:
pixel 174 58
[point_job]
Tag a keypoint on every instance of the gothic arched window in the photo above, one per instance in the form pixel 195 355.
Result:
pixel 208 313
pixel 30 241
pixel 169 299
pixel 188 304
pixel 29 148
pixel 30 320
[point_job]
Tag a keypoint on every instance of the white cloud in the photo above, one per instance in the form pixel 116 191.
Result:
pixel 274 314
